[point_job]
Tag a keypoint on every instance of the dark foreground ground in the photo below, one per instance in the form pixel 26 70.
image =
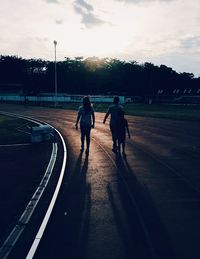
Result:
pixel 96 215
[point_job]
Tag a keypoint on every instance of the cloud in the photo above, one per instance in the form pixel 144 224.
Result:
pixel 180 61
pixel 59 21
pixel 191 43
pixel 85 5
pixel 89 19
pixel 182 54
pixel 142 1
pixel 52 1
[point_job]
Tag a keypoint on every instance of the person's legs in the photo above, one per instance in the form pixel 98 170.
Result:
pixel 88 129
pixel 119 146
pixel 114 137
pixel 82 137
pixel 123 148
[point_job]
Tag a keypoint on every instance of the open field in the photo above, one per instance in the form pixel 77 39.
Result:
pixel 180 112
pixel 13 130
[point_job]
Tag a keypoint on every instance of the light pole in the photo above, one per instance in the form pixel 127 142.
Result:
pixel 56 89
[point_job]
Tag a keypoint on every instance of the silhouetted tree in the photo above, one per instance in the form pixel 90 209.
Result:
pixel 92 76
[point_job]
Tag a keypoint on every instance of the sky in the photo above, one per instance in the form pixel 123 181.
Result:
pixel 157 31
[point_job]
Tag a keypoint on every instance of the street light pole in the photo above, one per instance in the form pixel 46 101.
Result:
pixel 56 89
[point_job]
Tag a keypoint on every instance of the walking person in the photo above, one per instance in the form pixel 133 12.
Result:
pixel 121 132
pixel 87 121
pixel 113 111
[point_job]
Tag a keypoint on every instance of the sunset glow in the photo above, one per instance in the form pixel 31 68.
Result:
pixel 157 31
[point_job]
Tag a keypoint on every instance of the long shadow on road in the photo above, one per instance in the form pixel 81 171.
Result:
pixel 70 221
pixel 136 242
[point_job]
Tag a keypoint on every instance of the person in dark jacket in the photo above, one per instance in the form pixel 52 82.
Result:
pixel 113 111
pixel 122 129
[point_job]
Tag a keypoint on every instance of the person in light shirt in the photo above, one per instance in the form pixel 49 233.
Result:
pixel 87 121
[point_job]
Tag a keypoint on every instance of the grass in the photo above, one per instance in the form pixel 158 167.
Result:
pixel 9 132
pixel 178 112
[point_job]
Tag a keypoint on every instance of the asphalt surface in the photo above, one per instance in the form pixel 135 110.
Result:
pixel 96 215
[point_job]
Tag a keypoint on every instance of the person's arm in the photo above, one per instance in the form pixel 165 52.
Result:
pixel 106 116
pixel 77 119
pixel 93 119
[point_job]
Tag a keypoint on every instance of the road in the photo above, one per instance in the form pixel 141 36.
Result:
pixel 143 206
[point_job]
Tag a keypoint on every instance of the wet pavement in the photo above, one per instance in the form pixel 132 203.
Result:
pixel 95 215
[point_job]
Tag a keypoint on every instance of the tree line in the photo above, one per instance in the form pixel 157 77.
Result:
pixel 92 76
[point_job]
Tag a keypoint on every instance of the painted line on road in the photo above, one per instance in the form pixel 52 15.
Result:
pixel 13 237
pixel 21 117
pixel 40 233
pixel 16 145
pixel 26 215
